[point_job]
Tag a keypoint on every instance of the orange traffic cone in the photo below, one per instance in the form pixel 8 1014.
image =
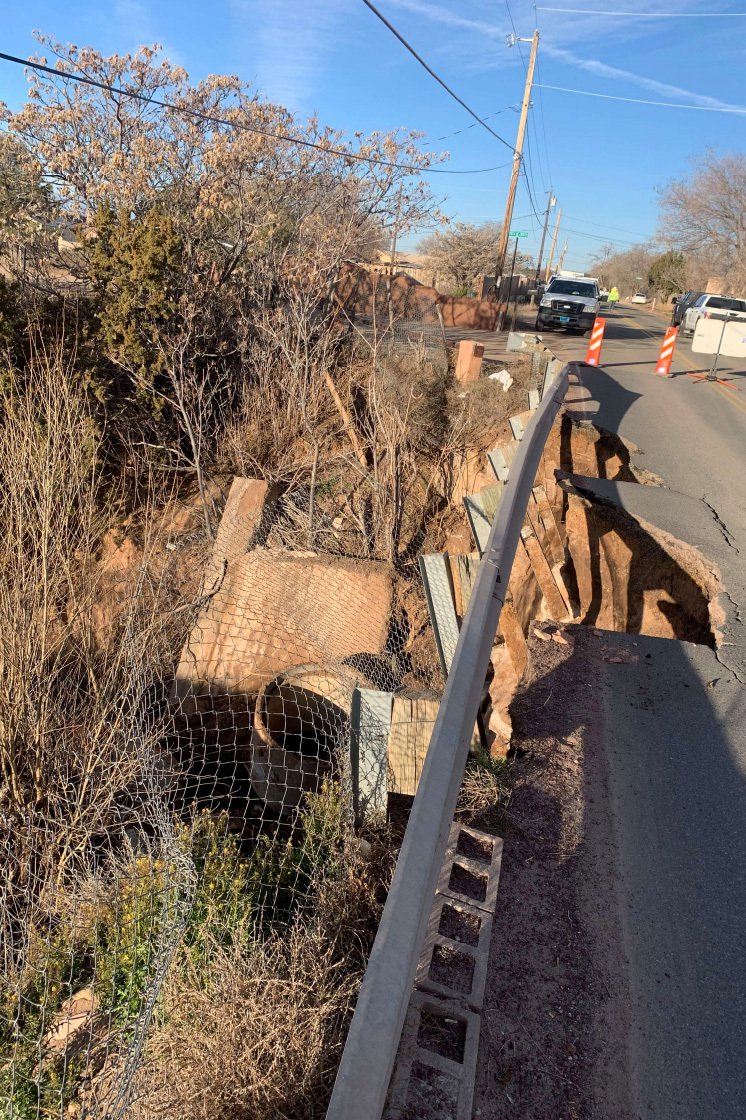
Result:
pixel 666 355
pixel 597 338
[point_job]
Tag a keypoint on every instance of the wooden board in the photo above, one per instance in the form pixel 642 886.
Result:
pixel 544 575
pixel 412 723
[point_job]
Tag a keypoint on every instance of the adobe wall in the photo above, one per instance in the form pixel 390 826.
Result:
pixel 364 294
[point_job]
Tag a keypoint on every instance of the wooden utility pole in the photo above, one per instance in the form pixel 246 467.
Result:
pixel 554 245
pixel 552 202
pixel 517 156
pixel 562 256
pixel 395 234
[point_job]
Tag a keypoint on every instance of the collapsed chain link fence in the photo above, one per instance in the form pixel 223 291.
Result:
pixel 300 703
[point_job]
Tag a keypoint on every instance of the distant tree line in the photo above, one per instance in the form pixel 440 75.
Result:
pixel 701 236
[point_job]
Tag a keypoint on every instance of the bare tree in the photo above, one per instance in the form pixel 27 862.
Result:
pixel 704 216
pixel 462 252
pixel 627 270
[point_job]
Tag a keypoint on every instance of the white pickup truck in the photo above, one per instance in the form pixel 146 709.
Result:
pixel 572 304
pixel 713 307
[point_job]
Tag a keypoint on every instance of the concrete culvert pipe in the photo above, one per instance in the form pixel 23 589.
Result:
pixel 302 720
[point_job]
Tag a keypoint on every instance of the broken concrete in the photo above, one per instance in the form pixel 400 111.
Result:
pixel 249 504
pixel 277 610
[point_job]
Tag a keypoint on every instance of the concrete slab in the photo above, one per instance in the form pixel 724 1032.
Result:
pixel 277 610
pixel 370 725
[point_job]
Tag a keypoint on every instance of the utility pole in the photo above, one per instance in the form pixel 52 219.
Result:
pixel 395 233
pixel 562 256
pixel 552 202
pixel 518 153
pixel 554 245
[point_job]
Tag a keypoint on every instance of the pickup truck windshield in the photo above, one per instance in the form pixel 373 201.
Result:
pixel 571 288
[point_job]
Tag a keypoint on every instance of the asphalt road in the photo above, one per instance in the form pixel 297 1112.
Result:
pixel 670 767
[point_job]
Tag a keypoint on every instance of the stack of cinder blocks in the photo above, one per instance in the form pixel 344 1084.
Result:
pixel 440 1041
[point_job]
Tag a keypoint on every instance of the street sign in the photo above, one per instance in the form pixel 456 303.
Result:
pixel 518 233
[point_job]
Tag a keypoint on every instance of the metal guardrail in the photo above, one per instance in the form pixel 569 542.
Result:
pixel 369 1054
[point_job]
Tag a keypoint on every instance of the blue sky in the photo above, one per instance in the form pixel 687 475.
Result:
pixel 604 158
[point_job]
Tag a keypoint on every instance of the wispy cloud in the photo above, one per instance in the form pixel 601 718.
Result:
pixel 551 49
pixel 136 23
pixel 134 19
pixel 293 42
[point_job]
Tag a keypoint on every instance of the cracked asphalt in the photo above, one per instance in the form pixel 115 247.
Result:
pixel 670 771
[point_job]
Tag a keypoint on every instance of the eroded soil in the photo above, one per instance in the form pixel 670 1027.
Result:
pixel 553 1031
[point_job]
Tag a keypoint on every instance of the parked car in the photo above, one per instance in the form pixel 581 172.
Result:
pixel 639 297
pixel 713 307
pixel 682 305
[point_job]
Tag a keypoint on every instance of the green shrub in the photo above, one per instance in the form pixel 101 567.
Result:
pixel 113 944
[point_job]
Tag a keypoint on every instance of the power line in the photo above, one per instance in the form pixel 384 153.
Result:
pixel 597 237
pixel 208 118
pixel 642 15
pixel 531 199
pixel 467 127
pixel 541 108
pixel 432 74
pixel 601 225
pixel 645 101
pixel 537 145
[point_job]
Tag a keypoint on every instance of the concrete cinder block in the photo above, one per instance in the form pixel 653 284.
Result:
pixel 437 581
pixel 462 1073
pixel 370 722
pixel 478 953
pixel 481 509
pixel 489 871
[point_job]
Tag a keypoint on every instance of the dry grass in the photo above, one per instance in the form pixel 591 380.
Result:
pixel 73 741
pixel 256 1033
pixel 484 786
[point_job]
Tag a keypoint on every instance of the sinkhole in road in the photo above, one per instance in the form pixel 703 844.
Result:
pixel 623 573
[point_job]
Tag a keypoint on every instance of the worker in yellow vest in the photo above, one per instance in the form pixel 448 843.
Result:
pixel 613 297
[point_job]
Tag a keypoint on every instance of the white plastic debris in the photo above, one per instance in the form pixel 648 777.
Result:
pixel 503 377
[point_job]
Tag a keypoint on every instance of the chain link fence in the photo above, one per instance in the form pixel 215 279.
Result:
pixel 179 917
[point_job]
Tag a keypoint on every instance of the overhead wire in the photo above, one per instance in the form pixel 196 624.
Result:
pixel 467 127
pixel 646 101
pixel 540 99
pixel 641 15
pixel 432 73
pixel 601 225
pixel 209 118
pixel 527 172
pixel 597 237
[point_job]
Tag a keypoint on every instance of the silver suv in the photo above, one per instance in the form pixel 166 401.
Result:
pixel 572 304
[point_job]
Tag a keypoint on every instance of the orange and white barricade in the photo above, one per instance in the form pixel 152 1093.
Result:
pixel 666 355
pixel 597 338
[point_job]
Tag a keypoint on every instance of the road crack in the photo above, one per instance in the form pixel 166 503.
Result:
pixel 727 535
